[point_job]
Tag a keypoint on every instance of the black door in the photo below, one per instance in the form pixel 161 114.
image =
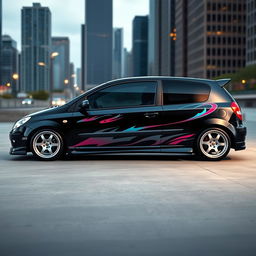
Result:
pixel 121 116
pixel 184 106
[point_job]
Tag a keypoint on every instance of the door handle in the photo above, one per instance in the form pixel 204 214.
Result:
pixel 151 114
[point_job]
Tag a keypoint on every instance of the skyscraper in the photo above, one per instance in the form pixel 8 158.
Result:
pixel 71 85
pixel 214 36
pixel 0 40
pixel 98 42
pixel 78 78
pixel 83 59
pixel 181 38
pixel 140 45
pixel 36 48
pixel 61 62
pixel 162 36
pixel 127 64
pixel 117 52
pixel 251 33
pixel 9 67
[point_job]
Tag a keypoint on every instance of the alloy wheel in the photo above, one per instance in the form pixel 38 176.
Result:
pixel 46 144
pixel 214 144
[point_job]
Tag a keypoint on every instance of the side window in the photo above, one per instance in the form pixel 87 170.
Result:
pixel 124 95
pixel 180 92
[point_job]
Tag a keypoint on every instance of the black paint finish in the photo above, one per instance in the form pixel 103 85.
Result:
pixel 171 128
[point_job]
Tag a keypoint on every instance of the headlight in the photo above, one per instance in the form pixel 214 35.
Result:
pixel 21 122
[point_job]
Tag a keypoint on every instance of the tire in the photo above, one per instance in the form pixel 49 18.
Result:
pixel 47 145
pixel 213 144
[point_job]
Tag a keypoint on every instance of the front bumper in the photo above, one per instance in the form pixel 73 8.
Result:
pixel 239 143
pixel 18 142
pixel 18 151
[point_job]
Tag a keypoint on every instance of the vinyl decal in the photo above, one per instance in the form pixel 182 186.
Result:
pixel 93 141
pixel 110 120
pixel 100 141
pixel 104 121
pixel 205 112
pixel 89 119
pixel 180 139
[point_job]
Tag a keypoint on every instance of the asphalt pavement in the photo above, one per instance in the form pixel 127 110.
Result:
pixel 128 205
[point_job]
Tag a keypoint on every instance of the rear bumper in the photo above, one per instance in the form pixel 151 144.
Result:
pixel 239 143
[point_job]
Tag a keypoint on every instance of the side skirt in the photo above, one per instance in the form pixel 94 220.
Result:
pixel 172 151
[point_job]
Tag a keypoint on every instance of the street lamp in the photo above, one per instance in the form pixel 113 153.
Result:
pixel 54 54
pixel 15 76
pixel 42 64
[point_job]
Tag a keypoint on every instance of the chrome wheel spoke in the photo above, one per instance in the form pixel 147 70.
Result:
pixel 50 138
pixel 49 150
pixel 216 150
pixel 43 138
pixel 209 149
pixel 210 136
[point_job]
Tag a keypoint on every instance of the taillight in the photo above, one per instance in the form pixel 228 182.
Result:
pixel 236 109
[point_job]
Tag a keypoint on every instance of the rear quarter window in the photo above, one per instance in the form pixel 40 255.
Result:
pixel 181 92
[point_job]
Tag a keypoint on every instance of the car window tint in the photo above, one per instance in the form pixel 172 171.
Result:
pixel 180 92
pixel 124 95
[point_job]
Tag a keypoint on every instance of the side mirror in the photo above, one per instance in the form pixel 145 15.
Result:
pixel 84 106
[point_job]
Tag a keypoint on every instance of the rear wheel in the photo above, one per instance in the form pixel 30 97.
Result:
pixel 213 144
pixel 47 145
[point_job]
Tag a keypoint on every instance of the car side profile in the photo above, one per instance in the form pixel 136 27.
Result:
pixel 179 116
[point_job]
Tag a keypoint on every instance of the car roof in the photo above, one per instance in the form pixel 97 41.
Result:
pixel 146 78
pixel 150 78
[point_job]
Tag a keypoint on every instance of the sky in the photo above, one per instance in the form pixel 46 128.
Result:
pixel 67 17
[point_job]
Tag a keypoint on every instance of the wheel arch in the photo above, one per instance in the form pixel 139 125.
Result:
pixel 41 125
pixel 221 124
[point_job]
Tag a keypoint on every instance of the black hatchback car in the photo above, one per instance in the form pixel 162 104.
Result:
pixel 135 115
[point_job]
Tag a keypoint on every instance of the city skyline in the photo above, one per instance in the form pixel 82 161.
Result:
pixel 98 42
pixel 68 23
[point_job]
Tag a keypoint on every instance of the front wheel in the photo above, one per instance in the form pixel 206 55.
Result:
pixel 213 144
pixel 47 145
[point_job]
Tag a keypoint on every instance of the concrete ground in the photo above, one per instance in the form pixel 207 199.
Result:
pixel 128 205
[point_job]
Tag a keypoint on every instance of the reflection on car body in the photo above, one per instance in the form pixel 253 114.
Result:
pixel 134 115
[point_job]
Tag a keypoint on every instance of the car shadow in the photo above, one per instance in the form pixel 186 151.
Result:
pixel 118 157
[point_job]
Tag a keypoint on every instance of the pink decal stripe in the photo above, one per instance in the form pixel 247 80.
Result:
pixel 89 119
pixel 180 139
pixel 213 107
pixel 110 120
pixel 92 141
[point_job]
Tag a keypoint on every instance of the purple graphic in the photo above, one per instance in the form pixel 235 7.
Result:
pixel 93 141
pixel 110 120
pixel 180 139
pixel 102 141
